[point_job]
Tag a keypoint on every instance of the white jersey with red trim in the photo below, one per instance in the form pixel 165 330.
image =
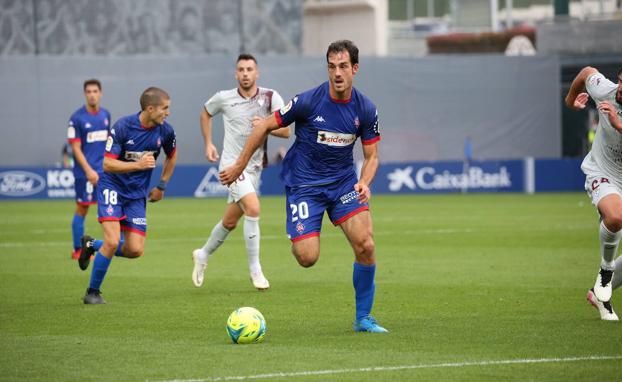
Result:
pixel 326 130
pixel 237 113
pixel 607 147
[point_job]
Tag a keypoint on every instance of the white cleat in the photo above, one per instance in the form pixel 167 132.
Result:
pixel 602 287
pixel 199 269
pixel 604 308
pixel 259 280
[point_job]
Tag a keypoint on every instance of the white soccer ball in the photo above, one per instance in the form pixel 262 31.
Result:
pixel 246 325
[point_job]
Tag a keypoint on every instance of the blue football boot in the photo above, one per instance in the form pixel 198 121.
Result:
pixel 368 324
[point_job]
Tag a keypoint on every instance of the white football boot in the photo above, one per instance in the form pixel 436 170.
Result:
pixel 604 308
pixel 259 280
pixel 602 287
pixel 199 269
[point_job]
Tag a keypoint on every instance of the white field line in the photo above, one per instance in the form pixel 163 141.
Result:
pixel 397 368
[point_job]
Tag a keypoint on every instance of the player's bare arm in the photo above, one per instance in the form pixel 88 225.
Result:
pixel 368 172
pixel 147 161
pixel 577 98
pixel 283 132
pixel 157 193
pixel 91 175
pixel 211 153
pixel 610 111
pixel 261 128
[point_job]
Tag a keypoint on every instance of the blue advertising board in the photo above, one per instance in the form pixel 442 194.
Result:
pixel 200 181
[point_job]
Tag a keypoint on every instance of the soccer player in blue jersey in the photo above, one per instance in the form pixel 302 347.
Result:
pixel 87 134
pixel 318 170
pixel 131 152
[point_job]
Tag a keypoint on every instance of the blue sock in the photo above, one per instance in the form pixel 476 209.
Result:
pixel 364 288
pixel 77 230
pixel 100 267
pixel 97 244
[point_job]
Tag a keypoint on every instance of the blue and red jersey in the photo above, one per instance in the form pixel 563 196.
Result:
pixel 91 130
pixel 128 142
pixel 326 130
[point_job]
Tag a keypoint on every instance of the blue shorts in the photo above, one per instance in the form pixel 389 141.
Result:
pixel 131 213
pixel 306 205
pixel 86 193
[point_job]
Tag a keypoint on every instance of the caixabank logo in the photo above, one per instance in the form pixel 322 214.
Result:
pixel 20 183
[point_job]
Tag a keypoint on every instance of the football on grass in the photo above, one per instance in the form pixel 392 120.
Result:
pixel 246 325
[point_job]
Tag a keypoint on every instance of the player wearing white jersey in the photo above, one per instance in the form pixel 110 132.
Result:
pixel 603 170
pixel 238 106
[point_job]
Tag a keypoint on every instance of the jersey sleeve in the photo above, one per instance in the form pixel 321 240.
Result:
pixel 370 132
pixel 73 130
pixel 277 101
pixel 170 142
pixel 295 110
pixel 598 86
pixel 113 143
pixel 214 104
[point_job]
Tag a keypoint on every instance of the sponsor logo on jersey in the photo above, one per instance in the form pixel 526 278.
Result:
pixel 350 196
pixel 20 183
pixel 135 156
pixel 286 108
pixel 97 136
pixel 139 221
pixel 319 118
pixel 331 138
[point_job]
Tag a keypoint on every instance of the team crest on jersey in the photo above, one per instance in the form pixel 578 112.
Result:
pixel 286 108
pixel 300 227
pixel 109 210
pixel 357 123
pixel 88 126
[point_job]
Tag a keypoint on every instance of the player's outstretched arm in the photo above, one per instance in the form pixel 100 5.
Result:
pixel 261 128
pixel 368 171
pixel 577 98
pixel 211 153
pixel 283 132
pixel 147 161
pixel 157 193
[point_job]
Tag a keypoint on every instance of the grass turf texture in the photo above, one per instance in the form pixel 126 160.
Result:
pixel 461 278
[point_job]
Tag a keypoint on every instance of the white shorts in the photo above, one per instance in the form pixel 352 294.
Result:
pixel 247 182
pixel 597 183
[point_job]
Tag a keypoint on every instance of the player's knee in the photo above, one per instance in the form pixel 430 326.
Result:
pixel 229 224
pixel 613 221
pixel 252 212
pixel 366 248
pixel 132 253
pixel 306 262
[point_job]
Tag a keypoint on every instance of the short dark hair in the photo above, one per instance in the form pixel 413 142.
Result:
pixel 92 81
pixel 246 56
pixel 153 97
pixel 344 45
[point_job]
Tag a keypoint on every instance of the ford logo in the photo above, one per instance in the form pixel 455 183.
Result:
pixel 20 183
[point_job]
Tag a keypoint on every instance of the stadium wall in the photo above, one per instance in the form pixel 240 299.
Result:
pixel 509 107
pixel 200 181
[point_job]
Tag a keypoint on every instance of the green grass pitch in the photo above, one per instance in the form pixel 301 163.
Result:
pixel 463 281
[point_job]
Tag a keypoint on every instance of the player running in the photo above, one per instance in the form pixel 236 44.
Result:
pixel 238 106
pixel 132 149
pixel 318 170
pixel 87 134
pixel 603 170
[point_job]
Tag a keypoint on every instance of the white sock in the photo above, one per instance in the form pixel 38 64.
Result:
pixel 608 246
pixel 251 237
pixel 617 274
pixel 215 240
